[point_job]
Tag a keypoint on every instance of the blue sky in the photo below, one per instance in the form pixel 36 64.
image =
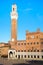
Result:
pixel 30 17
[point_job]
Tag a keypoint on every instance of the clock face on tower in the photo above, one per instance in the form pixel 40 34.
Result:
pixel 13 39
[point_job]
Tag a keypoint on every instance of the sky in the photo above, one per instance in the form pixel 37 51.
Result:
pixel 30 17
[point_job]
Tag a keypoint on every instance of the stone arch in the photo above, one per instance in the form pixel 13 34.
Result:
pixel 11 54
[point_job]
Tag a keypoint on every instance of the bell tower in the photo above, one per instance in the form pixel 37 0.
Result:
pixel 14 17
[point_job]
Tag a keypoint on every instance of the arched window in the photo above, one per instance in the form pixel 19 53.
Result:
pixel 11 54
pixel 37 50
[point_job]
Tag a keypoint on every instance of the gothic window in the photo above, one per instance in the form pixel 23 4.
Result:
pixel 21 43
pixel 31 43
pixel 34 42
pixel 28 43
pixel 25 56
pixel 41 50
pixel 18 43
pixel 28 56
pixel 24 50
pixel 31 50
pixel 24 43
pixel 41 42
pixel 37 42
pixel 42 57
pixel 21 50
pixel 16 56
pixel 34 56
pixel 18 50
pixel 38 56
pixel 37 50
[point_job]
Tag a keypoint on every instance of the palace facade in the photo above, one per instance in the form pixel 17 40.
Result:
pixel 31 48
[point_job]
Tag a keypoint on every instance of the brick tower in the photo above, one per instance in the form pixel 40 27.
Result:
pixel 14 17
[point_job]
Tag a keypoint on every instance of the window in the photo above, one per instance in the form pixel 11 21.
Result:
pixel 21 43
pixel 21 50
pixel 34 42
pixel 31 50
pixel 18 43
pixel 25 56
pixel 41 42
pixel 37 56
pixel 37 50
pixel 37 42
pixel 28 43
pixel 31 43
pixel 42 57
pixel 41 50
pixel 34 56
pixel 18 50
pixel 16 56
pixel 24 50
pixel 24 43
pixel 28 56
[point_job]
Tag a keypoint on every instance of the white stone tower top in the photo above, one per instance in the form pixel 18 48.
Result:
pixel 14 14
pixel 14 8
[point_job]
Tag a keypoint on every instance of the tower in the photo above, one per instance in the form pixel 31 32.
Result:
pixel 14 17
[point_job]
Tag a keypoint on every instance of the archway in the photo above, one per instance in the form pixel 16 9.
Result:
pixel 11 54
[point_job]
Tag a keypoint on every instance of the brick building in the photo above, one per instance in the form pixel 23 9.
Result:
pixel 31 48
